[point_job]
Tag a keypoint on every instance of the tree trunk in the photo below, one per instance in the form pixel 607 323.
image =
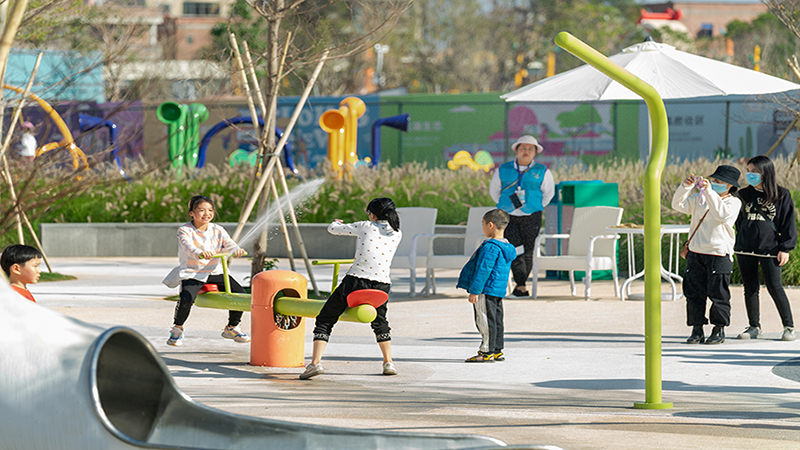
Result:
pixel 267 141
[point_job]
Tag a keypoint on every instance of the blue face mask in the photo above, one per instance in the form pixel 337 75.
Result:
pixel 753 179
pixel 718 187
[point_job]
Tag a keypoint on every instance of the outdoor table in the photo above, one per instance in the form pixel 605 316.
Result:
pixel 668 273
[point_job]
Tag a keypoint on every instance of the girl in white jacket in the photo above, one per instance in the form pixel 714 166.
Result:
pixel 714 210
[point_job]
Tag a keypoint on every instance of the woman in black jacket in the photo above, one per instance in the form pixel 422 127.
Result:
pixel 765 234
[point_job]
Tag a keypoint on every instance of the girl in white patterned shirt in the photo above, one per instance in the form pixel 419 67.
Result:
pixel 198 241
pixel 377 243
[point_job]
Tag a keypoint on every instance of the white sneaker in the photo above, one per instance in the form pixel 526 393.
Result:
pixel 236 334
pixel 175 337
pixel 389 368
pixel 788 334
pixel 312 370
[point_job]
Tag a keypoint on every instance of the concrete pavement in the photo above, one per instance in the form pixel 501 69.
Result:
pixel 574 368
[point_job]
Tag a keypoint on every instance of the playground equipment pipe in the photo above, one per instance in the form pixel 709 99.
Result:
pixel 67 140
pixel 174 115
pixel 88 123
pixel 399 122
pixel 334 123
pixel 79 386
pixel 201 152
pixel 352 108
pixel 197 114
pixel 652 209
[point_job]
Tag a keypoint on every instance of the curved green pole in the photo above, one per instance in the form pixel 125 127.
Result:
pixel 652 210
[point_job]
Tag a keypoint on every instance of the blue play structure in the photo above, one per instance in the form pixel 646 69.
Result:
pixel 88 123
pixel 287 150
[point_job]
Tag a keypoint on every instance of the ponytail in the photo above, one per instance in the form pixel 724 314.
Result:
pixel 383 208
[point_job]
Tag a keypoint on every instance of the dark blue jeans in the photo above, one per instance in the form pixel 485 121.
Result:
pixel 748 267
pixel 189 290
pixel 337 303
pixel 523 230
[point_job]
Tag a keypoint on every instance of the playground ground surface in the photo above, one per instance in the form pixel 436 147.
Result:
pixel 573 371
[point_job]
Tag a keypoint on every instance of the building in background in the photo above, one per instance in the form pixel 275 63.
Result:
pixel 185 27
pixel 708 17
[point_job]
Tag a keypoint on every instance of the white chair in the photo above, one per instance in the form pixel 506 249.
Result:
pixel 417 224
pixel 472 239
pixel 589 247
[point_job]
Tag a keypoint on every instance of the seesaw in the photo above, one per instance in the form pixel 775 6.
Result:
pixel 278 304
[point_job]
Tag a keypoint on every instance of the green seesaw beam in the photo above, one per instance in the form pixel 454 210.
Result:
pixel 288 306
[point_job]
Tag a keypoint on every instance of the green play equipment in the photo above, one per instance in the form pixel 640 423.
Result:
pixel 210 297
pixel 184 128
pixel 652 209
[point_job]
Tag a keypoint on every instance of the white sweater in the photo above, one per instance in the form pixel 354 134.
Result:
pixel 375 249
pixel 716 235
pixel 193 242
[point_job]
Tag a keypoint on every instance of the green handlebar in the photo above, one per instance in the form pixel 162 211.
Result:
pixel 336 263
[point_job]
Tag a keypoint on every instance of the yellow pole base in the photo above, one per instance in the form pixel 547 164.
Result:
pixel 659 405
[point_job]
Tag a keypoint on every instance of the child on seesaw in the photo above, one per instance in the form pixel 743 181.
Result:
pixel 377 243
pixel 485 277
pixel 198 241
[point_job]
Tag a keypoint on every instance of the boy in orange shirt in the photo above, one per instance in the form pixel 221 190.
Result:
pixel 21 264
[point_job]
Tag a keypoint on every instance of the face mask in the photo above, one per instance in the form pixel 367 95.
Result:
pixel 753 179
pixel 719 188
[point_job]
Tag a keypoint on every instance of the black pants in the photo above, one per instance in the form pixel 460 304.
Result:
pixel 337 303
pixel 523 230
pixel 189 290
pixel 748 266
pixel 707 277
pixel 489 321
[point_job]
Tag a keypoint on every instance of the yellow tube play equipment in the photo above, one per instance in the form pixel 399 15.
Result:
pixel 333 122
pixel 351 108
pixel 67 140
pixel 652 209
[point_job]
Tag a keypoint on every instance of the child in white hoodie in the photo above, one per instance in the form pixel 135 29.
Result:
pixel 709 264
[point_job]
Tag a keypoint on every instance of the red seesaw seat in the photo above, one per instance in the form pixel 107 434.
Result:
pixel 208 288
pixel 372 297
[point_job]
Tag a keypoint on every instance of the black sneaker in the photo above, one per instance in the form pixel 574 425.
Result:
pixel 717 336
pixel 697 336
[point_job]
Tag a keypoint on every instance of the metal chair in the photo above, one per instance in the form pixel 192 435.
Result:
pixel 588 247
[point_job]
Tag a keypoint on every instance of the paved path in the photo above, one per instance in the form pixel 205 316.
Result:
pixel 574 368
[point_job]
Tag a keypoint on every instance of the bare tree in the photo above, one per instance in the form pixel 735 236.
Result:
pixel 343 28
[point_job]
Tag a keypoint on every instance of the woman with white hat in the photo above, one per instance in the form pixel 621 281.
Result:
pixel 522 188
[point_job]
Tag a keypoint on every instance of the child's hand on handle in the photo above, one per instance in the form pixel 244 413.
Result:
pixel 239 252
pixel 473 298
pixel 207 254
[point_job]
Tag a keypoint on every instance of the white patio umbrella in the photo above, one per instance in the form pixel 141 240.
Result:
pixel 673 74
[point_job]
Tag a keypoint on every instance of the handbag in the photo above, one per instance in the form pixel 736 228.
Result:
pixel 685 249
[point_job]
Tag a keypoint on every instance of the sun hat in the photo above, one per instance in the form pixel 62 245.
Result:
pixel 527 140
pixel 727 174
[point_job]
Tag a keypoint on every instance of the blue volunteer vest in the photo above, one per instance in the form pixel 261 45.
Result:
pixel 531 183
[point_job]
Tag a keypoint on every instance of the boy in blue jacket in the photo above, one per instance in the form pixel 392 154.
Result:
pixel 485 277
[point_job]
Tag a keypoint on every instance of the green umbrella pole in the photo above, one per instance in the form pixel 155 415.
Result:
pixel 652 209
